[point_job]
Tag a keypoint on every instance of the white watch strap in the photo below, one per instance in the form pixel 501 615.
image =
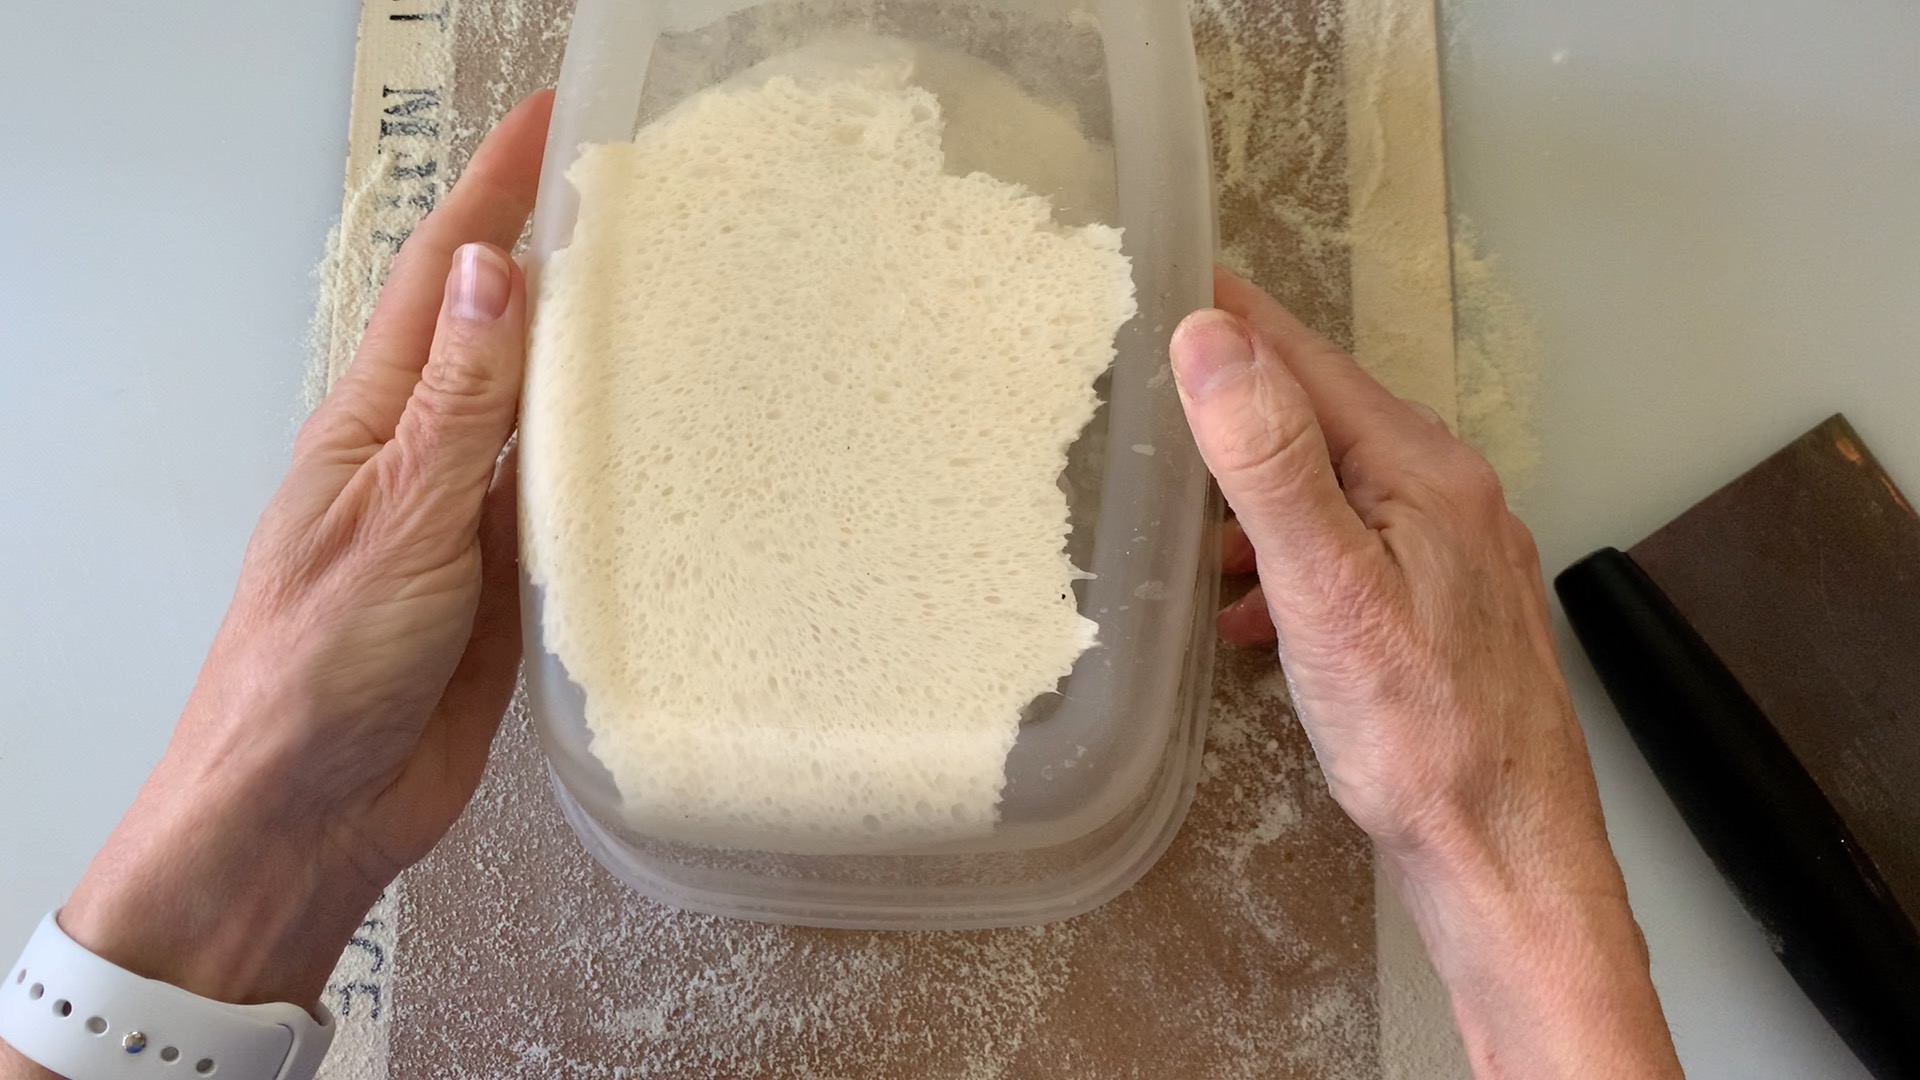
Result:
pixel 87 1019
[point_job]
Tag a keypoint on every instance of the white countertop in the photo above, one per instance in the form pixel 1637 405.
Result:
pixel 1714 210
pixel 168 172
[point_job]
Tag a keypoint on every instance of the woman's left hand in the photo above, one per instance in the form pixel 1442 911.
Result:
pixel 345 712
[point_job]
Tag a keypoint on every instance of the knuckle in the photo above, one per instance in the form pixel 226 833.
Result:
pixel 1348 600
pixel 1470 482
pixel 1521 537
pixel 460 379
pixel 321 429
pixel 336 425
pixel 1524 548
pixel 412 507
pixel 1355 588
pixel 1273 445
pixel 1363 640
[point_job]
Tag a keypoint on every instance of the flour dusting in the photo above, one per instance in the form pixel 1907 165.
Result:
pixel 1499 361
pixel 1234 959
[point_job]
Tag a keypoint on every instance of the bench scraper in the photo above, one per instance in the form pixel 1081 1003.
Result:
pixel 1764 652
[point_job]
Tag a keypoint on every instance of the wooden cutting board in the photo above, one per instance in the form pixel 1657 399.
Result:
pixel 1254 949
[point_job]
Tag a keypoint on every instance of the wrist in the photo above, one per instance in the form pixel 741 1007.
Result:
pixel 207 888
pixel 1483 917
pixel 17 1066
pixel 1544 983
pixel 1530 930
pixel 1539 840
pixel 1509 804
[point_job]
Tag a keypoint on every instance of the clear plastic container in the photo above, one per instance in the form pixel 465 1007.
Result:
pixel 1103 770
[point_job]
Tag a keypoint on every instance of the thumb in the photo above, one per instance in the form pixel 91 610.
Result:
pixel 1256 429
pixel 462 410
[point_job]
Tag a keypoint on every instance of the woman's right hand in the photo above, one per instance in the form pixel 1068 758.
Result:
pixel 1411 619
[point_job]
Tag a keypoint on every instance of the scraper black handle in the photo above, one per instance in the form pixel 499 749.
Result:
pixel 1759 815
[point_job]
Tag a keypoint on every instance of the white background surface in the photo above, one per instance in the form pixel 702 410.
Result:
pixel 1716 211
pixel 168 172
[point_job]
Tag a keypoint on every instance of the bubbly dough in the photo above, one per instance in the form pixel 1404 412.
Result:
pixel 797 405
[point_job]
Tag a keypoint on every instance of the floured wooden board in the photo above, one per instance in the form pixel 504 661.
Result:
pixel 1251 950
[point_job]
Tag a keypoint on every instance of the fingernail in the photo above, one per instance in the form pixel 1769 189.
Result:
pixel 1210 350
pixel 481 283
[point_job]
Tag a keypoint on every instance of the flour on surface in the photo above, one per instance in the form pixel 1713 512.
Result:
pixel 1499 359
pixel 1235 959
pixel 1397 202
pixel 1277 105
pixel 359 994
